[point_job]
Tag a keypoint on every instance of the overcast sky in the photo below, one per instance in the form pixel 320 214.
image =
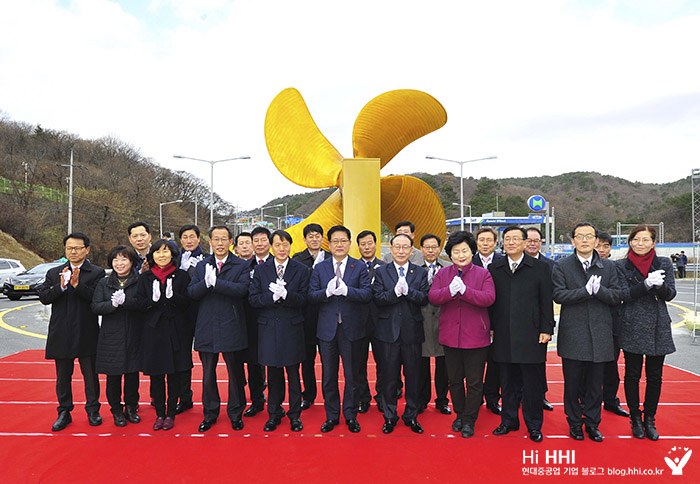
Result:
pixel 548 86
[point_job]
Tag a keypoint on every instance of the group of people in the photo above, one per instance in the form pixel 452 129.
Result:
pixel 681 261
pixel 268 312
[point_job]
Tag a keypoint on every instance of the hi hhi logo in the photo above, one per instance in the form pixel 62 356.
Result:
pixel 677 463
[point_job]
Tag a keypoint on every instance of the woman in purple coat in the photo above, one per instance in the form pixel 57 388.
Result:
pixel 464 292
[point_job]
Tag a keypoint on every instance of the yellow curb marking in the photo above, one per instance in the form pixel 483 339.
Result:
pixel 6 326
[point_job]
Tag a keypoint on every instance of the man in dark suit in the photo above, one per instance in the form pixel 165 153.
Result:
pixel 279 289
pixel 367 243
pixel 400 289
pixel 312 255
pixel 73 327
pixel 341 287
pixel 140 239
pixel 486 245
pixel 220 285
pixel 522 322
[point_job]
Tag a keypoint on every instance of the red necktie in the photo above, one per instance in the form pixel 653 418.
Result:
pixel 219 264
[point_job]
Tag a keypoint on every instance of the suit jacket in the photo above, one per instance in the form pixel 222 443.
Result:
pixel 416 257
pixel 431 321
pixel 400 318
pixel 280 323
pixel 310 310
pixel 373 311
pixel 73 326
pixel 550 262
pixel 476 260
pixel 251 317
pixel 522 310
pixel 352 308
pixel 307 259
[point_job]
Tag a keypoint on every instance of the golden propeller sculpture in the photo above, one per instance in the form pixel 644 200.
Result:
pixel 363 200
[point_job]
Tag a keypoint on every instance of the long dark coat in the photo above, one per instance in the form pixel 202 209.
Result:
pixel 646 324
pixel 120 333
pixel 523 309
pixel 165 347
pixel 310 310
pixel 586 322
pixel 73 326
pixel 431 322
pixel 280 323
pixel 221 324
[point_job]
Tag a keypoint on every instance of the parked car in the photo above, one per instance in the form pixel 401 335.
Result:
pixel 26 283
pixel 9 267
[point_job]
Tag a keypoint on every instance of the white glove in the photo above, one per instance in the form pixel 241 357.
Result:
pixel 156 290
pixel 341 290
pixel 404 286
pixel 319 258
pixel 118 298
pixel 185 260
pixel 596 284
pixel 195 260
pixel 66 277
pixel 589 285
pixel 209 275
pixel 278 290
pixel 169 289
pixel 398 288
pixel 331 286
pixel 457 285
pixel 462 286
pixel 655 278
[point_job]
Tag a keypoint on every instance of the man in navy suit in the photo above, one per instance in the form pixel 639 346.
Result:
pixel 340 286
pixel 279 289
pixel 486 245
pixel 400 289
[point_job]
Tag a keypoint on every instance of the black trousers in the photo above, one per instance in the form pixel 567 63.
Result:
pixel 466 365
pixel 308 370
pixel 131 391
pixel 158 393
pixel 211 400
pixel 186 386
pixel 364 394
pixel 440 382
pixel 256 384
pixel 392 356
pixel 492 380
pixel 654 367
pixel 522 383
pixel 275 392
pixel 611 378
pixel 331 353
pixel 582 377
pixel 64 391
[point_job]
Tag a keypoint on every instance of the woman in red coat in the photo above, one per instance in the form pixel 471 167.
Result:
pixel 464 292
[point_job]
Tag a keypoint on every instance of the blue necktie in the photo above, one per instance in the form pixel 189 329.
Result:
pixel 400 271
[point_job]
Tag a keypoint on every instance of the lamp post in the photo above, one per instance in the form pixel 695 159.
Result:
pixel 262 217
pixel 211 184
pixel 470 215
pixel 278 220
pixel 461 180
pixel 160 220
pixel 70 189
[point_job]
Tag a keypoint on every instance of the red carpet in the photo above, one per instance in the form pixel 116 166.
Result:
pixel 30 452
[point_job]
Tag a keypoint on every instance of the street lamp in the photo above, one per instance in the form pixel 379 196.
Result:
pixel 278 220
pixel 160 210
pixel 70 189
pixel 262 218
pixel 470 216
pixel 461 180
pixel 211 185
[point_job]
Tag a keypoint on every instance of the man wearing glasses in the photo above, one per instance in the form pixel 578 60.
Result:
pixel 73 327
pixel 340 286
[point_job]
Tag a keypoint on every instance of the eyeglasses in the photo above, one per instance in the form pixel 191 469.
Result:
pixel 508 240
pixel 403 247
pixel 645 240
pixel 533 241
pixel 339 241
pixel 580 237
pixel 74 249
pixel 218 240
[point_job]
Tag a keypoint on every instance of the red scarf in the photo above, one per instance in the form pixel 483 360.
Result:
pixel 642 262
pixel 163 272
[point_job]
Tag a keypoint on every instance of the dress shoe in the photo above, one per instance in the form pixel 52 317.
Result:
pixel 61 422
pixel 504 429
pixel 535 435
pixel 594 434
pixel 272 424
pixel 363 407
pixel 575 432
pixel 388 426
pixel 650 428
pixel 494 407
pixel 617 410
pixel 119 418
pixel 183 406
pixel 467 431
pixel 206 425
pixel 415 426
pixel 353 425
pixel 253 410
pixel 305 405
pixel 168 423
pixel 94 419
pixel 457 425
pixel 637 427
pixel 445 409
pixel 329 425
pixel 296 425
pixel 132 414
pixel 237 424
pixel 547 406
pixel 158 424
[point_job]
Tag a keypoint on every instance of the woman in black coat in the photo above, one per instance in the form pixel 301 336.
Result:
pixel 165 348
pixel 646 325
pixel 118 343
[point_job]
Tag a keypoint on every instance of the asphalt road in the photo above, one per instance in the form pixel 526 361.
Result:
pixel 25 328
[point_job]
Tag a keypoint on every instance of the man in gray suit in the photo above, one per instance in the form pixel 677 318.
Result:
pixel 409 229
pixel 586 287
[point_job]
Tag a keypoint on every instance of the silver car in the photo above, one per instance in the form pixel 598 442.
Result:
pixel 9 267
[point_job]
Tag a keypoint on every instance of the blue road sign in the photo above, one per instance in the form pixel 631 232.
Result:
pixel 536 203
